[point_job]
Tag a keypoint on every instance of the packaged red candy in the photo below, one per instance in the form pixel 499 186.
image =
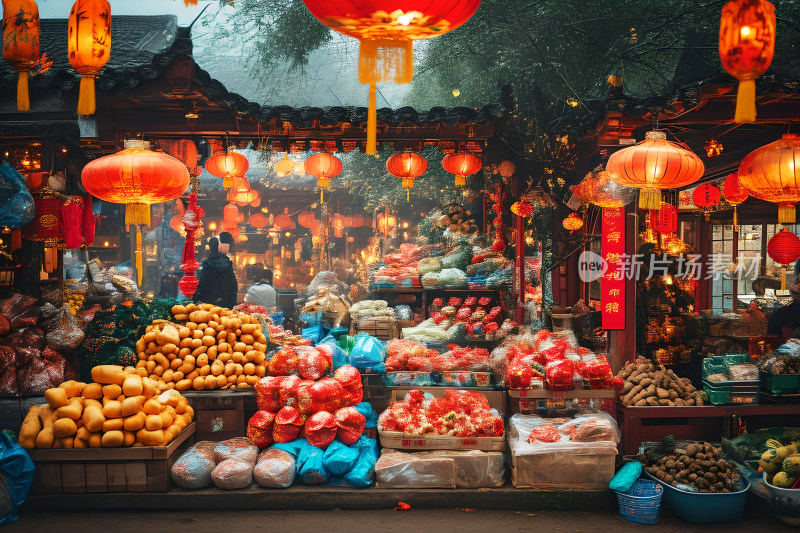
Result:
pixel 484 301
pixel 519 374
pixel 438 318
pixel 438 302
pixel 454 302
pixel 471 301
pixel 559 374
pixel 544 433
pixel 464 313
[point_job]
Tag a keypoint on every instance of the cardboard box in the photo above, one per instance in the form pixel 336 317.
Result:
pixel 574 469
pixel 467 469
pixel 402 441
pixel 538 401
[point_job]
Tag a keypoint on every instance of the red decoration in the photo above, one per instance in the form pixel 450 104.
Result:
pixel 71 218
pixel 323 166
pixel 771 173
pixel 21 43
pixel 46 225
pixel 89 46
pixel 664 220
pixel 184 150
pixel 706 197
pixel 734 193
pixel 612 286
pixel 746 47
pixel 462 165
pixel 283 221
pixel 573 222
pixel 407 166
pixel 226 165
pixel 191 224
pixel 784 247
pixel 229 215
pixel 87 221
pixel 258 220
pixel 305 219
pixel 524 208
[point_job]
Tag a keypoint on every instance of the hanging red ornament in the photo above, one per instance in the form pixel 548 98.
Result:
pixel 573 222
pixel 664 220
pixel 192 222
pixel 71 218
pixel 706 197
pixel 226 165
pixel 499 246
pixel 735 194
pixel 784 249
pixel 523 208
pixel 87 221
pixel 462 165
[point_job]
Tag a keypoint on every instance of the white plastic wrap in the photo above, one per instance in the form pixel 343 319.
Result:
pixel 399 470
pixel 520 427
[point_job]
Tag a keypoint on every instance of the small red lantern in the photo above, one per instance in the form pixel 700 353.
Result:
pixel 323 166
pixel 407 166
pixel 784 248
pixel 573 222
pixel 706 197
pixel 283 221
pixel 734 193
pixel 524 208
pixel 229 215
pixel 176 223
pixel 462 165
pixel 664 220
pixel 506 168
pixel 21 43
pixel 258 220
pixel 227 165
pixel 305 219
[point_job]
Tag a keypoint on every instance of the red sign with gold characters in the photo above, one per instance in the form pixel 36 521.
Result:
pixel 612 248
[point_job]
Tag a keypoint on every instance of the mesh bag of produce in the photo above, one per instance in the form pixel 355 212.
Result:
pixel 350 423
pixel 313 364
pixel 236 448
pixel 41 373
pixel 275 469
pixel 352 389
pixel 8 371
pixel 67 335
pixel 429 264
pixel 259 428
pixel 320 429
pixel 283 363
pixel 288 424
pixel 467 401
pixel 193 469
pixel 233 474
pixel 268 395
pixel 323 395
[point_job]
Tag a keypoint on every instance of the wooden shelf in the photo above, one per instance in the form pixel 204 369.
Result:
pixel 397 290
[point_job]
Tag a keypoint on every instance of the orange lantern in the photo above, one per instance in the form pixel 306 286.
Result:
pixel 407 166
pixel 706 197
pixel 258 220
pixel 305 219
pixel 734 193
pixel 652 165
pixel 243 199
pixel 136 177
pixel 387 30
pixel 89 45
pixel 523 208
pixel 338 226
pixel 285 166
pixel 598 189
pixel 257 200
pixel 506 168
pixel 573 222
pixel 462 165
pixel 746 47
pixel 665 219
pixel 784 248
pixel 230 213
pixel 323 166
pixel 226 165
pixel 21 43
pixel 240 184
pixel 771 173
pixel 283 221
pixel 176 223
pixel 184 150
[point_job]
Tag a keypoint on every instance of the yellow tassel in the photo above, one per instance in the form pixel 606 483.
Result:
pixel 86 96
pixel 137 214
pixel 23 100
pixel 650 199
pixel 783 278
pixel 372 121
pixel 746 102
pixel 461 180
pixel 735 219
pixel 138 253
pixel 227 182
pixel 408 195
pixel 321 195
pixel 787 214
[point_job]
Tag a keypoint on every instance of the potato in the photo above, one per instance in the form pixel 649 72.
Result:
pixel 132 386
pixel 134 422
pixel 237 357
pixel 224 347
pixel 198 383
pixel 56 397
pixel 73 388
pixel 150 366
pixel 183 384
pixel 224 357
pixel 113 439
pixel 167 418
pixel 251 380
pixel 87 402
pixel 45 438
pixel 178 310
pixel 148 337
pixel 184 332
pixel 161 360
pixel 240 379
pixel 131 406
pixel 210 382
pixel 130 438
pixel 199 316
pixel 181 318
pixel 30 428
pixel 168 335
pixel 175 364
pixel 197 334
pixel 93 419
pixel 148 388
pixel 93 391
pixel 250 329
pixel 169 348
pixel 249 369
pixel 64 427
pixel 112 409
pixel 204 370
pixel 199 350
pixel 196 343
pixel 221 381
pixel 154 422
pixel 73 411
pixel 193 374
pixel 112 391
pixel 185 343
pixel 209 340
pixel 211 353
pixel 261 370
pixel 150 438
pixel 177 376
pixel 259 347
pixel 191 325
pixel 217 368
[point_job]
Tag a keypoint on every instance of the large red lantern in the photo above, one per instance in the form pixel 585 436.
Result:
pixel 784 248
pixel 387 30
pixel 283 221
pixel 407 166
pixel 184 150
pixel 772 173
pixel 706 197
pixel 652 165
pixel 323 166
pixel 259 220
pixel 21 43
pixel 136 177
pixel 665 219
pixel 89 46
pixel 462 165
pixel 227 165
pixel 734 193
pixel 305 219
pixel 746 47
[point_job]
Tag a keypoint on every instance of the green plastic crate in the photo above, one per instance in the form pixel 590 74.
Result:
pixel 780 383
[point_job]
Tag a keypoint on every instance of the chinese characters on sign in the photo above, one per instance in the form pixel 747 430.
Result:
pixel 612 248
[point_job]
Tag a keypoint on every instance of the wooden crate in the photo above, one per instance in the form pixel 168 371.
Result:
pixel 92 470
pixel 219 414
pixel 381 329
pixel 403 442
pixel 748 328
pixel 540 401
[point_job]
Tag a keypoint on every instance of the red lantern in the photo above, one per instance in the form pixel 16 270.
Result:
pixel 191 223
pixel 784 248
pixel 323 166
pixel 573 222
pixel 305 219
pixel 230 213
pixel 21 43
pixel 771 173
pixel 243 199
pixel 71 218
pixel 226 165
pixel 176 223
pixel 387 30
pixel 706 197
pixel 258 220
pixel 506 168
pixel 239 184
pixel 257 200
pixel 89 46
pixel 746 47
pixel 734 193
pixel 407 166
pixel 283 221
pixel 524 208
pixel 462 165
pixel 664 220
pixel 184 150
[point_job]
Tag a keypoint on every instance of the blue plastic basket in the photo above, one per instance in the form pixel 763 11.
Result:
pixel 641 503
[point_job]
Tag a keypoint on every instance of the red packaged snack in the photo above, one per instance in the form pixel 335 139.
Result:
pixel 463 314
pixel 283 362
pixel 519 374
pixel 438 318
pixel 323 395
pixel 484 301
pixel 267 394
pixel 544 433
pixel 350 424
pixel 320 429
pixel 559 374
pixel 352 389
pixel 312 364
pixel 287 390
pixel 260 428
pixel 288 424
pixel 471 301
pixel 454 302
pixel 438 302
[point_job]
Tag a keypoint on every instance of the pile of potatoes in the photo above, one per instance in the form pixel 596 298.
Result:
pixel 207 347
pixel 121 408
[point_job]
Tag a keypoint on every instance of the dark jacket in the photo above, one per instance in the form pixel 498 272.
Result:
pixel 217 282
pixel 784 317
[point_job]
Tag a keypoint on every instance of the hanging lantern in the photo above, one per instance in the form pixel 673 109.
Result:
pixel 407 166
pixel 598 189
pixel 387 30
pixel 243 199
pixel 323 166
pixel 338 226
pixel 784 249
pixel 230 213
pixel 385 223
pixel 283 221
pixel 227 165
pixel 305 219
pixel 240 218
pixel 259 220
pixel 771 173
pixel 184 150
pixel 664 220
pixel 240 184
pixel 506 169
pixel 285 166
pixel 257 200
pixel 746 47
pixel 706 197
pixel 89 45
pixel 176 223
pixel 21 43
pixel 462 165
pixel 524 208
pixel 734 193
pixel 71 218
pixel 136 177
pixel 652 165
pixel 573 222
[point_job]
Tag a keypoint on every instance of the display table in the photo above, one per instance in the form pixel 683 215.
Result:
pixel 707 422
pixel 221 414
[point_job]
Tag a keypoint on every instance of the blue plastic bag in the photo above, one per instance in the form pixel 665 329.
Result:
pixel 626 477
pixel 16 203
pixel 310 466
pixel 363 472
pixel 339 458
pixel 17 468
pixel 338 356
pixel 314 333
pixel 278 318
pixel 365 408
pixel 311 319
pixel 368 352
pixel 295 447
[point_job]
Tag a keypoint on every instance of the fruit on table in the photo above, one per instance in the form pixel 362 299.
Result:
pixel 791 465
pixel 769 461
pixel 783 480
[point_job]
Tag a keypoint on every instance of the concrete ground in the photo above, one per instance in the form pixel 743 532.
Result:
pixel 376 521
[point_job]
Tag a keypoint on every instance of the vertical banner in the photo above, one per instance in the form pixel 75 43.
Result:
pixel 612 286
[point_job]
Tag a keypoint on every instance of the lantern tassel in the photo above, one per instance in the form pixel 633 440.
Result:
pixel 137 214
pixel 787 214
pixel 23 98
pixel 746 102
pixel 372 121
pixel 650 199
pixel 227 182
pixel 408 195
pixel 321 195
pixel 461 180
pixel 783 278
pixel 87 103
pixel 735 219
pixel 138 253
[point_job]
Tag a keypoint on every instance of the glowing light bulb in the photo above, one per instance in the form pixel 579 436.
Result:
pixel 212 226
pixel 456 93
pixel 745 31
pixel 106 243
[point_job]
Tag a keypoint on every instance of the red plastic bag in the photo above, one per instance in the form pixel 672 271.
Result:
pixel 323 395
pixel 598 372
pixel 41 373
pixel 559 375
pixel 519 374
pixel 288 424
pixel 321 429
pixel 260 428
pixel 350 424
pixel 283 362
pixel 312 364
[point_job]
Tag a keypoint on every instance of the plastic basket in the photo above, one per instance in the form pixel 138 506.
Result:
pixel 641 503
pixel 705 508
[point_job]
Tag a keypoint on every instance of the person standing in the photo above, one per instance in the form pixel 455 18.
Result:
pixel 786 320
pixel 261 292
pixel 217 283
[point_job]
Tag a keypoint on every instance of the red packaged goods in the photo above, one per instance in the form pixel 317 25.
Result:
pixel 519 374
pixel 486 424
pixel 404 347
pixel 350 379
pixel 618 384
pixel 259 428
pixel 598 372
pixel 490 327
pixel 438 318
pixel 312 364
pixel 454 302
pixel 463 314
pixel 466 401
pixel 419 364
pixel 283 362
pixel 559 374
pixel 320 429
pixel 287 390
pixel 472 359
pixel 288 424
pixel 471 301
pixel 42 372
pixel 350 424
pixel 484 301
pixel 544 433
pixel 438 302
pixel 555 353
pixel 395 363
pixel 267 395
pixel 322 395
pixel 442 362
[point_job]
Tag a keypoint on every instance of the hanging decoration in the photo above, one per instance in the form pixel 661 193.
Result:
pixel 523 208
pixel 498 198
pixel 746 47
pixel 283 221
pixel 665 219
pixel 192 223
pixel 735 195
pixel 89 46
pixel 285 166
pixel 713 148
pixel 305 219
pixel 21 43
pixel 462 165
pixel 770 173
pixel 227 165
pixel 136 177
pixel 323 166
pixel 573 222
pixel 387 30
pixel 407 166
pixel 652 165
pixel 784 249
pixel 598 189
pixel 184 150
pixel 506 169
pixel 71 218
pixel 259 220
pixel 243 199
pixel 706 197
pixel 88 221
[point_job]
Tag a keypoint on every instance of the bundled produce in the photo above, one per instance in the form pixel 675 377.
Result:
pixel 429 330
pixel 784 360
pixel 370 309
pixel 648 383
pixel 697 467
pixel 457 221
pixel 457 413
pixel 275 469
pixel 598 427
pixel 121 408
pixel 407 355
pixel 781 463
pixel 208 348
pixel 235 460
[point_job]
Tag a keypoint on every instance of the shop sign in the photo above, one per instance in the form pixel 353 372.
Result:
pixel 612 286
pixel 686 201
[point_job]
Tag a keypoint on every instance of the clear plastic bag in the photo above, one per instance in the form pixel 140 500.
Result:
pixel 521 426
pixel 193 469
pixel 275 469
pixel 429 264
